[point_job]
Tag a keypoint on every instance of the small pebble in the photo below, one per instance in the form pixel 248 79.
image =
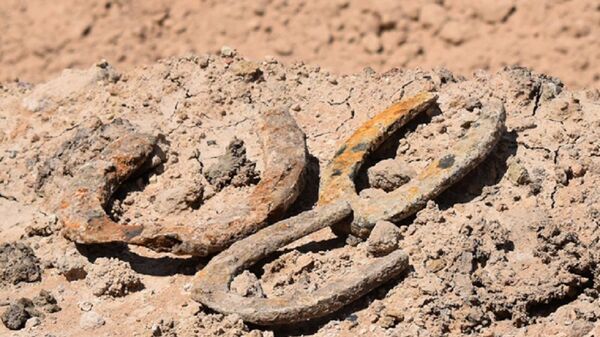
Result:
pixel 227 51
pixel 33 322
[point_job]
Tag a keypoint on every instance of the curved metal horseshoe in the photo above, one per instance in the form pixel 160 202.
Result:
pixel 212 287
pixel 85 221
pixel 462 157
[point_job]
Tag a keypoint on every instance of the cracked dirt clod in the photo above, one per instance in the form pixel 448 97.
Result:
pixel 232 168
pixel 72 265
pixel 389 174
pixel 113 278
pixel 463 156
pixel 212 285
pixel 246 284
pixel 18 263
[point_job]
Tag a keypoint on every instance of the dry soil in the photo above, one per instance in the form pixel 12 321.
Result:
pixel 511 250
pixel 556 37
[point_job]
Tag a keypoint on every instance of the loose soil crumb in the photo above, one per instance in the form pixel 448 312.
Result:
pixel 72 265
pixel 390 174
pixel 383 239
pixel 91 320
pixel 511 249
pixel 246 284
pixel 232 168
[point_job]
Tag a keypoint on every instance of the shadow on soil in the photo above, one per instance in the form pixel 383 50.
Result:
pixel 158 266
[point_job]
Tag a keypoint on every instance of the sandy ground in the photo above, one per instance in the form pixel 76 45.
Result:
pixel 560 38
pixel 510 250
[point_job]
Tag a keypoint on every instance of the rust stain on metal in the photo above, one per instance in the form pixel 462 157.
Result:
pixel 82 207
pixel 463 156
pixel 212 285
pixel 337 178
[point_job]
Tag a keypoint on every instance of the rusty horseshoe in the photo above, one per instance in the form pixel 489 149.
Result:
pixel 81 207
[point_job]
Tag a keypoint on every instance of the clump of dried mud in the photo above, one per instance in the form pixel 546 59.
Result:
pixel 18 264
pixel 559 38
pixel 511 249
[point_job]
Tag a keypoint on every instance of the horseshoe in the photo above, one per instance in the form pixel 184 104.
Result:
pixel 85 221
pixel 212 287
pixel 338 205
pixel 460 159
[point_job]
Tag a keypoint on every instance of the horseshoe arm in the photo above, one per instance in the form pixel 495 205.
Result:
pixel 82 203
pixel 338 178
pixel 285 156
pixel 212 284
pixel 457 161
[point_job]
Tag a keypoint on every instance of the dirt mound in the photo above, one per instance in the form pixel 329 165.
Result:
pixel 509 249
pixel 559 38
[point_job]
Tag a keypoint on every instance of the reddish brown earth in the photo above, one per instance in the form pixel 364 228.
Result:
pixel 510 250
pixel 559 38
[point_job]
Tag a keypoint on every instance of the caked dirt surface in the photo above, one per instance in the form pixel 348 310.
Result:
pixel 40 38
pixel 509 250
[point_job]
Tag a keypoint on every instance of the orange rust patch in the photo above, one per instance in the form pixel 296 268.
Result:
pixel 82 190
pixel 364 139
pixel 63 204
pixel 122 165
pixel 412 191
pixel 71 224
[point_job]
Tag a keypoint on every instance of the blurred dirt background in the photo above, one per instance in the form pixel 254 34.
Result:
pixel 556 37
pixel 510 250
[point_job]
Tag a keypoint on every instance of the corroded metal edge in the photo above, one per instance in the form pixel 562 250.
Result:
pixel 82 204
pixel 463 156
pixel 81 208
pixel 212 283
